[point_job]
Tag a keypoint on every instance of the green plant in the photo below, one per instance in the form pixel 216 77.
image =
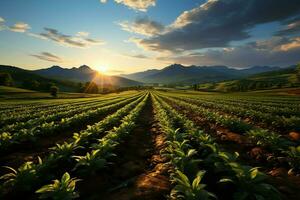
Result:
pixel 63 189
pixel 91 162
pixel 294 157
pixel 22 178
pixel 189 190
pixel 251 184
pixel 54 91
pixel 66 149
pixel 105 147
pixel 268 139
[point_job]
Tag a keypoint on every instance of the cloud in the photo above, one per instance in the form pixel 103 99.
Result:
pixel 292 44
pixel 82 34
pixel 291 27
pixel 275 51
pixel 143 26
pixel 216 23
pixel 20 27
pixel 2 26
pixel 140 5
pixel 67 40
pixel 141 56
pixel 48 57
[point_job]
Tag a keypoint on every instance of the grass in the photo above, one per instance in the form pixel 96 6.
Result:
pixel 12 93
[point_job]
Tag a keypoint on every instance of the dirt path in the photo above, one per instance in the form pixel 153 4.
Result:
pixel 138 172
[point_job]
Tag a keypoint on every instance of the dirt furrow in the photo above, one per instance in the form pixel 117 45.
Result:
pixel 138 171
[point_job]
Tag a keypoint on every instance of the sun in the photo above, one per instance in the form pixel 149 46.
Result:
pixel 102 69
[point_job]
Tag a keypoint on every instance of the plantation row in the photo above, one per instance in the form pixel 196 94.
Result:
pixel 51 124
pixel 283 121
pixel 85 154
pixel 195 147
pixel 200 169
pixel 282 150
pixel 13 116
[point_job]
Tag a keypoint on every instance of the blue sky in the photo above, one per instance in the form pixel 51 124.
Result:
pixel 122 36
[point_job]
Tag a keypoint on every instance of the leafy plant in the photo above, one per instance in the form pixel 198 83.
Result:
pixel 22 178
pixel 294 157
pixel 190 190
pixel 265 138
pixel 251 184
pixel 105 147
pixel 91 162
pixel 66 149
pixel 63 189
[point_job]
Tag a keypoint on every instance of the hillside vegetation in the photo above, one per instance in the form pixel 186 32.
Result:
pixel 285 78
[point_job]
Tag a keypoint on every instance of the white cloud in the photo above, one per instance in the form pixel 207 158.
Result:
pixel 2 20
pixel 140 5
pixel 279 51
pixel 20 27
pixel 82 34
pixel 217 23
pixel 79 40
pixel 143 26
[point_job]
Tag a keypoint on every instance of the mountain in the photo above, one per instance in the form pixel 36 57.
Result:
pixel 259 69
pixel 139 76
pixel 84 74
pixel 179 74
pixel 283 78
pixel 25 78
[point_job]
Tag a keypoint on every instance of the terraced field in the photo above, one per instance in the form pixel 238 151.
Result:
pixel 152 145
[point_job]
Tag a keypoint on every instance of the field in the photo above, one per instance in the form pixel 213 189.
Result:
pixel 10 93
pixel 152 144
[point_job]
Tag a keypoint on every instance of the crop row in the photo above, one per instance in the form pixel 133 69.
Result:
pixel 54 115
pixel 280 110
pixel 48 128
pixel 17 116
pixel 280 146
pixel 268 120
pixel 36 106
pixel 201 170
pixel 95 150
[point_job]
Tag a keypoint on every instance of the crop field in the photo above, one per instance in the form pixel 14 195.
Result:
pixel 151 144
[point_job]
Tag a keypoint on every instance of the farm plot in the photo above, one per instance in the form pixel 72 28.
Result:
pixel 152 145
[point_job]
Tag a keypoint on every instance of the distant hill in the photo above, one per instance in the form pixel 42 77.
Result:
pixel 22 76
pixel 84 74
pixel 139 76
pixel 284 78
pixel 179 74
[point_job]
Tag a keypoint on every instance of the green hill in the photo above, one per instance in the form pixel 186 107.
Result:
pixel 6 89
pixel 28 80
pixel 285 78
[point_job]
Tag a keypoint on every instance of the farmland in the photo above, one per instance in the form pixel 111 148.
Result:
pixel 152 144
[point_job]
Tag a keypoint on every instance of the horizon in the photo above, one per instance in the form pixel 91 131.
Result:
pixel 104 70
pixel 141 35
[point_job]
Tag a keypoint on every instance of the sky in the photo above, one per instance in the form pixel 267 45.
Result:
pixel 125 36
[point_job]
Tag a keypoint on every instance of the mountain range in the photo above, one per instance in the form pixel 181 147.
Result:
pixel 84 74
pixel 179 74
pixel 68 78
